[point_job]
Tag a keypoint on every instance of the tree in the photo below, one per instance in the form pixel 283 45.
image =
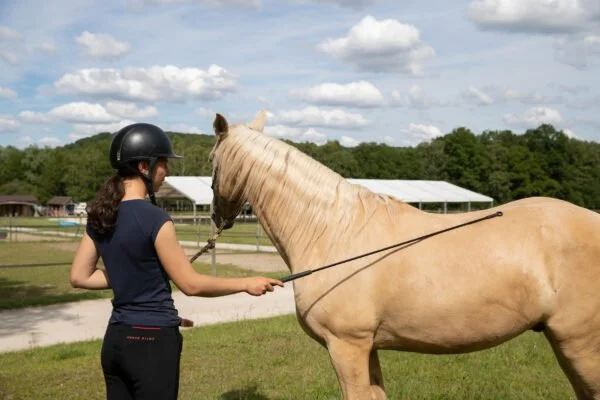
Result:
pixel 466 163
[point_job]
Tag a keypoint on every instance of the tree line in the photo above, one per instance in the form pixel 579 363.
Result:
pixel 501 164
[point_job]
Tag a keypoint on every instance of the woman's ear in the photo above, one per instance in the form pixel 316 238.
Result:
pixel 144 167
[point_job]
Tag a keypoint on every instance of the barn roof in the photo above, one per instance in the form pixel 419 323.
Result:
pixel 198 190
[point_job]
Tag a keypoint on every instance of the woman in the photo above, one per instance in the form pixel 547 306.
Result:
pixel 138 245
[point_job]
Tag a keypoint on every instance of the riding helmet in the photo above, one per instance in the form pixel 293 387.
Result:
pixel 138 142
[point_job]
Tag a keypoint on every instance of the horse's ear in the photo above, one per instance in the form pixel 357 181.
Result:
pixel 220 125
pixel 258 124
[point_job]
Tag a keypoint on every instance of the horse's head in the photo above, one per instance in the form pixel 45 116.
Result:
pixel 228 196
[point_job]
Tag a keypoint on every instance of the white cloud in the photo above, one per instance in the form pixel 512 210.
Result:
pixel 547 16
pixel 9 57
pixel 102 45
pixel 570 89
pixel 85 130
pixel 570 134
pixel 481 98
pixel 47 47
pixel 296 134
pixel 211 3
pixel 383 46
pixel 573 22
pixel 50 141
pixel 32 116
pixel 130 110
pixel 7 93
pixel 534 117
pixel 7 33
pixel 168 83
pixel 354 94
pixel 420 132
pixel 82 112
pixel 530 97
pixel 8 123
pixel 416 98
pixel 580 51
pixel 263 100
pixel 314 116
pixel 490 95
pixel 590 103
pixel 314 136
pixel 25 140
pixel 355 4
pixel 93 118
pixel 348 141
pixel 205 112
pixel 184 128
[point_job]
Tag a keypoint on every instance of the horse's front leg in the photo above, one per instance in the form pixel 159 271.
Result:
pixel 352 362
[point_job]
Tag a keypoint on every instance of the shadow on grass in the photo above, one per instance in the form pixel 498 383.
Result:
pixel 19 294
pixel 248 393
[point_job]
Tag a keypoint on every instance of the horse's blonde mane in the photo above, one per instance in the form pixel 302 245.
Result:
pixel 291 184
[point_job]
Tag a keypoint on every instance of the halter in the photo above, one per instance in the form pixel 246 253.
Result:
pixel 210 242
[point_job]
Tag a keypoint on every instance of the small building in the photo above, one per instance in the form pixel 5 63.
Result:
pixel 18 205
pixel 60 206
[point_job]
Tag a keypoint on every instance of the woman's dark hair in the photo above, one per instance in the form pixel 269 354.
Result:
pixel 102 213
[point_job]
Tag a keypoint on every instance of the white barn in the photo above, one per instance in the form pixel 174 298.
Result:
pixel 197 189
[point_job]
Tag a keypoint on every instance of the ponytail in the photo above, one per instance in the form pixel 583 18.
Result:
pixel 102 214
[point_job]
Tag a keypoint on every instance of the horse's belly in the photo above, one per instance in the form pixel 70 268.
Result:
pixel 451 333
pixel 461 316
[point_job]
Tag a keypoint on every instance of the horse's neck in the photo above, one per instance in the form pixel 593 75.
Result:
pixel 298 202
pixel 302 204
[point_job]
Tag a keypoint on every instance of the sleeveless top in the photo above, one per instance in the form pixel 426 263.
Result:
pixel 141 288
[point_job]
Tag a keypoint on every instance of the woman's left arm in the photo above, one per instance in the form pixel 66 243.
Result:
pixel 84 271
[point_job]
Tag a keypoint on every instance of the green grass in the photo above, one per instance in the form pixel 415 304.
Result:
pixel 14 252
pixel 34 286
pixel 28 221
pixel 274 359
pixel 240 233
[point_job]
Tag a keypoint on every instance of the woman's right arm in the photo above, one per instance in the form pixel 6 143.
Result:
pixel 181 272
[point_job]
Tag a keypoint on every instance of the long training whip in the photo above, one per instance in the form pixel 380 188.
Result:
pixel 311 271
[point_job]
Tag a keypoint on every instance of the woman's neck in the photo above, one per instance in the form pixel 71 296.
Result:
pixel 134 189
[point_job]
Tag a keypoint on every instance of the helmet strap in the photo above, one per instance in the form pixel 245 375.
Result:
pixel 148 179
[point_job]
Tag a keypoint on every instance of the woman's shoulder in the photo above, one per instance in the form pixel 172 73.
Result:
pixel 145 207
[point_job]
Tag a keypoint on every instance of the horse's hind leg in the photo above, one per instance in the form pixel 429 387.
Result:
pixel 579 357
pixel 352 363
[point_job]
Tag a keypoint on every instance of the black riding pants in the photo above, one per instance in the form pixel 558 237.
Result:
pixel 141 362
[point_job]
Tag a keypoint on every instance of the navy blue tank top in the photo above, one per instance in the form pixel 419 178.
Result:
pixel 142 293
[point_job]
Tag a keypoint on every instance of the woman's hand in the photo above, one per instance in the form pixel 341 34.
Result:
pixel 257 286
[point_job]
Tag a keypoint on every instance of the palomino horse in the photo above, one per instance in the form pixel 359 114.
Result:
pixel 538 266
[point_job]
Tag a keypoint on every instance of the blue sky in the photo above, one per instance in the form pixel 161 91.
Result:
pixel 390 71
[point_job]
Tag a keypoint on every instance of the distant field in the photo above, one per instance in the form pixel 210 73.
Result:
pixel 44 285
pixel 273 359
pixel 241 233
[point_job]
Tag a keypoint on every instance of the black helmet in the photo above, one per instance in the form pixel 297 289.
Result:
pixel 138 142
